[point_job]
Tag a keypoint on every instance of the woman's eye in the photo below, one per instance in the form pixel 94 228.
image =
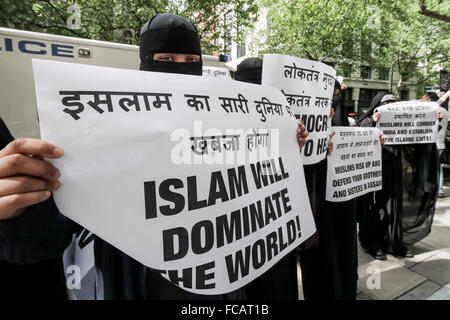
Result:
pixel 163 58
pixel 192 59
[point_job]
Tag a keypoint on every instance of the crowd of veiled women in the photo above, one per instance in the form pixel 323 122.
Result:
pixel 385 222
pixel 33 239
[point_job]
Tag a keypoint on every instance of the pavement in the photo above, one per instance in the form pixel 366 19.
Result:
pixel 426 276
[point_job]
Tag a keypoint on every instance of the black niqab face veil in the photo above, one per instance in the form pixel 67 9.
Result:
pixel 169 33
pixel 249 70
pixel 375 103
pixel 340 117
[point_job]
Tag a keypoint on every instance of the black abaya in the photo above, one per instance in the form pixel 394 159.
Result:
pixel 329 271
pixel 402 212
pixel 39 280
pixel 280 282
pixel 420 188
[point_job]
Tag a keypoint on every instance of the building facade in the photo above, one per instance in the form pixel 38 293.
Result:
pixel 363 82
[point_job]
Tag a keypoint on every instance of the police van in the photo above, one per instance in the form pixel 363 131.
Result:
pixel 17 48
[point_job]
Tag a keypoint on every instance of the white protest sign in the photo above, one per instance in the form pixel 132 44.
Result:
pixel 216 72
pixel 354 165
pixel 308 87
pixel 179 172
pixel 408 122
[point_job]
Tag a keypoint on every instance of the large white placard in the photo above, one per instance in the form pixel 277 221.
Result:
pixel 308 87
pixel 409 122
pixel 200 178
pixel 354 165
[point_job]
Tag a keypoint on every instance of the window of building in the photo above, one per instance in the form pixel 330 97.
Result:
pixel 241 42
pixel 383 74
pixel 240 50
pixel 226 43
pixel 346 70
pixel 348 94
pixel 366 72
pixel 227 35
pixel 364 94
pixel 404 95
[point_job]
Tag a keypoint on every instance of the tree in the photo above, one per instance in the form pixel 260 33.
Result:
pixel 416 46
pixel 389 35
pixel 434 14
pixel 318 30
pixel 121 21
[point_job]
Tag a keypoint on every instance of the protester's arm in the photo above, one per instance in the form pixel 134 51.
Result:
pixel 368 122
pixel 40 233
pixel 302 134
pixel 444 98
pixel 375 117
pixel 382 139
pixel 330 143
pixel 25 177
pixel 371 121
pixel 31 227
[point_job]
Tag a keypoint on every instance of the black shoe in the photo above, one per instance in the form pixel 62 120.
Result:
pixel 403 252
pixel 379 255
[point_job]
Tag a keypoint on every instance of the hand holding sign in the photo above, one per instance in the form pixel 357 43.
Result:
pixel 331 113
pixel 25 178
pixel 207 169
pixel 330 143
pixel 302 134
pixel 382 139
pixel 376 116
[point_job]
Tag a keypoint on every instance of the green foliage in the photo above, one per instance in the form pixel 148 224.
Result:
pixel 418 45
pixel 383 34
pixel 317 30
pixel 121 21
pixel 387 35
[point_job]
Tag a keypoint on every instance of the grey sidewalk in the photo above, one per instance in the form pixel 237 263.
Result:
pixel 425 276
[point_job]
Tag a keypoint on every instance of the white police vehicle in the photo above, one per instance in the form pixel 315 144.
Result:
pixel 17 48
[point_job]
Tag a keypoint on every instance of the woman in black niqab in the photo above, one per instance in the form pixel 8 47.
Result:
pixel 381 98
pixel 407 202
pixel 169 33
pixel 381 212
pixel 340 117
pixel 329 271
pixel 124 277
